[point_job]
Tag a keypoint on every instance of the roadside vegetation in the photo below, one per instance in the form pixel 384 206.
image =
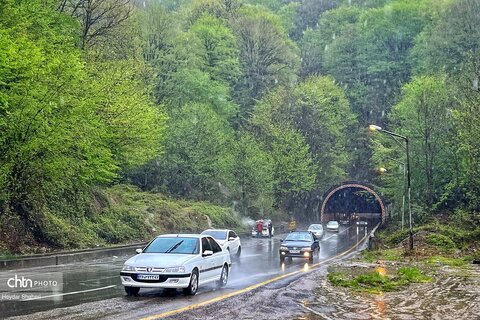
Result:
pixel 453 236
pixel 256 105
pixel 118 215
pixel 445 241
pixel 377 280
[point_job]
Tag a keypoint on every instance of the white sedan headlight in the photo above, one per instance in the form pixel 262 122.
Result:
pixel 128 268
pixel 175 269
pixel 283 248
pixel 307 249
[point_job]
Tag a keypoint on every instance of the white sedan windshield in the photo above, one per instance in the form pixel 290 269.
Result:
pixel 219 235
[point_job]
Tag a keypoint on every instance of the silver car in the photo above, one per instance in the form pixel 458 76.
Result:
pixel 317 230
pixel 183 261
pixel 333 226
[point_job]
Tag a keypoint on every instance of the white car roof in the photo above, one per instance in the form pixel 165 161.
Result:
pixel 216 230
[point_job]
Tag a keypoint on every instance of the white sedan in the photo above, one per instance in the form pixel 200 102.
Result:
pixel 228 239
pixel 333 226
pixel 317 230
pixel 177 261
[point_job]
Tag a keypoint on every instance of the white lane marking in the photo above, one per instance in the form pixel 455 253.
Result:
pixel 70 293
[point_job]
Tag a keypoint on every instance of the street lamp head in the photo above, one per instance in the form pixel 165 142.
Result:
pixel 373 128
pixel 382 170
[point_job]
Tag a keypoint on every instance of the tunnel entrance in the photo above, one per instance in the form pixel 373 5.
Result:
pixel 351 202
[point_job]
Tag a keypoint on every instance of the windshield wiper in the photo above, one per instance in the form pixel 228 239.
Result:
pixel 175 246
pixel 194 248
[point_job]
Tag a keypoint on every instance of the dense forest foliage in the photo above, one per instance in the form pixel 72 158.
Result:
pixel 257 104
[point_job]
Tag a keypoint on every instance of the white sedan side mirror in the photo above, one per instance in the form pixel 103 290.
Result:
pixel 207 253
pixel 138 250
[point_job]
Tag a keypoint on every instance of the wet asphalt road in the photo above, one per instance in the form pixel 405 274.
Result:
pixel 96 286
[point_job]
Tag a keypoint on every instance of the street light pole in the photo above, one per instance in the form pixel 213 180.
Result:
pixel 403 192
pixel 403 197
pixel 374 128
pixel 409 195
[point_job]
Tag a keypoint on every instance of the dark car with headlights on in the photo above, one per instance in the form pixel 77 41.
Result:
pixel 299 244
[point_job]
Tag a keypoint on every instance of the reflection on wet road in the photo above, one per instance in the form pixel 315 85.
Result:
pixel 99 280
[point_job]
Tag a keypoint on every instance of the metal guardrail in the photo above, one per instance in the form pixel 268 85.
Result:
pixel 60 258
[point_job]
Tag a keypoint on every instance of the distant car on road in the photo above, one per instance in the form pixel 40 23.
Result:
pixel 177 261
pixel 333 226
pixel 317 230
pixel 362 223
pixel 299 244
pixel 344 222
pixel 227 239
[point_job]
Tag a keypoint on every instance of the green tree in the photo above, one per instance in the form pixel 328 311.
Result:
pixel 194 86
pixel 451 42
pixel 99 19
pixel 308 13
pixel 218 49
pixel 123 102
pixel 268 57
pixel 336 34
pixel 253 172
pixel 52 142
pixel 467 124
pixel 424 115
pixel 67 123
pixel 294 169
pixel 166 49
pixel 198 157
pixel 318 110
pixel 388 36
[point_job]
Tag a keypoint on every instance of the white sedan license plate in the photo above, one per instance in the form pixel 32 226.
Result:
pixel 294 251
pixel 148 277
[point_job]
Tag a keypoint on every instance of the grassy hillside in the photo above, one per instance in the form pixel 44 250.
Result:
pixel 120 214
pixel 447 237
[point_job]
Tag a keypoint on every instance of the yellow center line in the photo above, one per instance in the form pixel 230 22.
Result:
pixel 247 289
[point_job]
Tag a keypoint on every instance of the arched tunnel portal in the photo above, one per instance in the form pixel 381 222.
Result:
pixel 352 202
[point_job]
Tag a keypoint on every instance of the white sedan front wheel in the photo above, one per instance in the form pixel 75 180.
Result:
pixel 192 288
pixel 223 277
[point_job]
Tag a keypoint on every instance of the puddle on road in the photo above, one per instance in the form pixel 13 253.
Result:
pixel 450 296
